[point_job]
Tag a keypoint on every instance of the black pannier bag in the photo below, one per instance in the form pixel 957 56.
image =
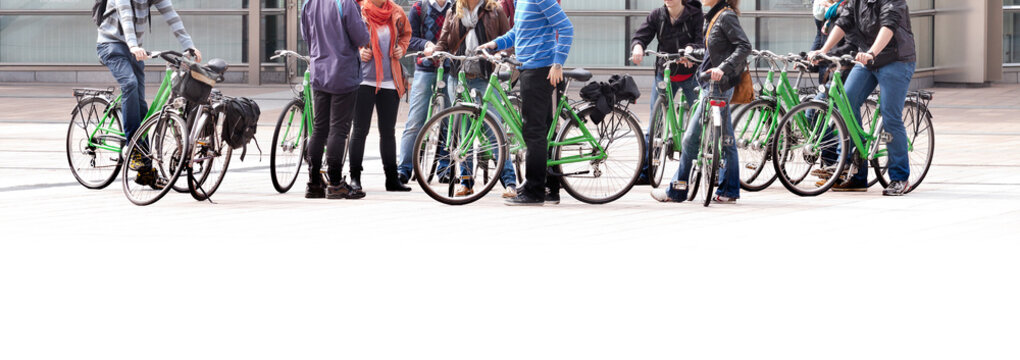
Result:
pixel 241 118
pixel 619 88
pixel 195 84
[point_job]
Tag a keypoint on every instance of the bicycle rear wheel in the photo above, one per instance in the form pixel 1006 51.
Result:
pixel 599 181
pixel 810 138
pixel 920 145
pixel 752 127
pixel 91 163
pixel 209 162
pixel 160 142
pixel 478 168
pixel 288 152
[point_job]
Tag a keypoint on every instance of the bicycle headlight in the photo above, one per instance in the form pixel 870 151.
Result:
pixel 769 87
pixel 299 88
pixel 757 88
pixel 474 93
pixel 440 84
pixel 662 86
pixel 460 88
pixel 821 89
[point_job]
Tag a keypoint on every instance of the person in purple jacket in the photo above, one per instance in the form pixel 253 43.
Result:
pixel 334 30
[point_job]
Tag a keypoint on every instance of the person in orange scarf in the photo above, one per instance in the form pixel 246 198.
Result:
pixel 382 87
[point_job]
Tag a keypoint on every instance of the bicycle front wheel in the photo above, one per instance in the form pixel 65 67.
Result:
pixel 90 142
pixel 810 138
pixel 752 129
pixel 471 150
pixel 210 160
pixel 660 144
pixel 596 177
pixel 288 152
pixel 160 145
pixel 920 146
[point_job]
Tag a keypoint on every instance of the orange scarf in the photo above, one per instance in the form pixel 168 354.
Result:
pixel 377 16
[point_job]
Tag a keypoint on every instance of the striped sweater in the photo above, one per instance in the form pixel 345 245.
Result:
pixel 134 15
pixel 541 35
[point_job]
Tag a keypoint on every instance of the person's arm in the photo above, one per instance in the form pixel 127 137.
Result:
pixel 355 26
pixel 735 34
pixel 418 40
pixel 644 35
pixel 303 24
pixel 564 29
pixel 166 9
pixel 403 39
pixel 889 18
pixel 505 41
pixel 126 17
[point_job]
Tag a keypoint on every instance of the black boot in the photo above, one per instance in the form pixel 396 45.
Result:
pixel 393 182
pixel 355 181
pixel 315 189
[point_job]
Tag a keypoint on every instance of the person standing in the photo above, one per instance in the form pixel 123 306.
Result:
pixel 880 30
pixel 427 18
pixel 677 25
pixel 474 22
pixel 381 89
pixel 119 47
pixel 333 30
pixel 725 57
pixel 541 37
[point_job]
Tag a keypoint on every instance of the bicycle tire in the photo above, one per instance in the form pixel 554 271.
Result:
pixel 197 185
pixel 867 116
pixel 710 173
pixel 571 183
pixel 658 133
pixel 86 109
pixel 782 152
pixel 438 106
pixel 748 147
pixel 170 165
pixel 284 179
pixel 428 137
pixel 919 125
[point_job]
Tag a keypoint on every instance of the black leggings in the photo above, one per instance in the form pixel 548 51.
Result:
pixel 332 124
pixel 386 103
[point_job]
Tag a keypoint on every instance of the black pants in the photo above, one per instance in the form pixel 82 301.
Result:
pixel 333 119
pixel 536 109
pixel 386 103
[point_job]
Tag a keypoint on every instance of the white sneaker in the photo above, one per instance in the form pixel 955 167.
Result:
pixel 661 196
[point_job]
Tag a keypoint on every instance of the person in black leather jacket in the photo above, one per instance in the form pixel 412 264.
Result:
pixel 725 59
pixel 880 30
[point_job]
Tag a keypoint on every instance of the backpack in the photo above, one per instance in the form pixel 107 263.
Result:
pixel 241 121
pixel 99 14
pixel 619 89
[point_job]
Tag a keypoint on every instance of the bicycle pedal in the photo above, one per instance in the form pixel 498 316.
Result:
pixel 751 166
pixel 656 162
pixel 680 186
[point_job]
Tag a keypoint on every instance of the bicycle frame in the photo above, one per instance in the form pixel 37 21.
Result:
pixel 675 118
pixel 162 96
pixel 308 112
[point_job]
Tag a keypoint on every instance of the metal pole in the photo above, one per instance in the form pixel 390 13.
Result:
pixel 254 43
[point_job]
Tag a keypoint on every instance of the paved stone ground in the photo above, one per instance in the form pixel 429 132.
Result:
pixel 265 275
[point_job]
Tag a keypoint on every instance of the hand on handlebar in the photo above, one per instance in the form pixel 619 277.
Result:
pixel 813 56
pixel 487 46
pixel 197 55
pixel 864 58
pixel 430 48
pixel 637 55
pixel 140 53
pixel 716 73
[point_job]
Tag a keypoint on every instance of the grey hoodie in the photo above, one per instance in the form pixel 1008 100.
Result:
pixel 334 30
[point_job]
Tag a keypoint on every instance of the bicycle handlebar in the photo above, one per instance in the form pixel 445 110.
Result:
pixel 673 57
pixel 837 59
pixel 288 53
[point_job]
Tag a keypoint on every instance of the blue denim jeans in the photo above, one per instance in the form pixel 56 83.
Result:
pixel 421 98
pixel 729 177
pixel 509 176
pixel 894 81
pixel 690 89
pixel 130 75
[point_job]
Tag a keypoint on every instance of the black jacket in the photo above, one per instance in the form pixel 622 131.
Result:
pixel 673 36
pixel 728 47
pixel 862 19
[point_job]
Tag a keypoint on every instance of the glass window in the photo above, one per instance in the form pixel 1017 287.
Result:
pixel 39 39
pixel 598 42
pixel 1010 42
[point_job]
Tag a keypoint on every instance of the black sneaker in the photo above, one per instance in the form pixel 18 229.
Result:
pixel 896 188
pixel 344 191
pixel 150 177
pixel 403 178
pixel 315 191
pixel 552 198
pixel 523 199
pixel 852 186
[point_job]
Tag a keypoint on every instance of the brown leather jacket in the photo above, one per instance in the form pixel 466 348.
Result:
pixel 491 17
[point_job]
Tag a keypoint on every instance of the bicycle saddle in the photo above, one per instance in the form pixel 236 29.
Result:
pixel 217 66
pixel 578 74
pixel 505 75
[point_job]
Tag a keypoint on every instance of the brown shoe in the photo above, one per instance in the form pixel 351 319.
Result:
pixel 463 191
pixel 851 186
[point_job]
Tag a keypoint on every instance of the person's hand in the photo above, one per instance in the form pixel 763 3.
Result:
pixel 197 54
pixel 430 48
pixel 637 55
pixel 366 54
pixel 555 74
pixel 717 74
pixel 487 46
pixel 686 63
pixel 811 55
pixel 398 52
pixel 140 53
pixel 864 58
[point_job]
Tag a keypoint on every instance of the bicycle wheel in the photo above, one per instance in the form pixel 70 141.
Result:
pixel 288 152
pixel 920 145
pixel 438 106
pixel 599 181
pixel 518 158
pixel 209 162
pixel 868 111
pixel 711 149
pixel 89 156
pixel 752 127
pixel 161 144
pixel 801 145
pixel 475 159
pixel 659 143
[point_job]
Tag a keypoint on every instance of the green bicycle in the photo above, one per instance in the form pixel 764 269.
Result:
pixel 704 172
pixel 819 135
pixel 597 165
pixel 669 122
pixel 95 136
pixel 290 137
